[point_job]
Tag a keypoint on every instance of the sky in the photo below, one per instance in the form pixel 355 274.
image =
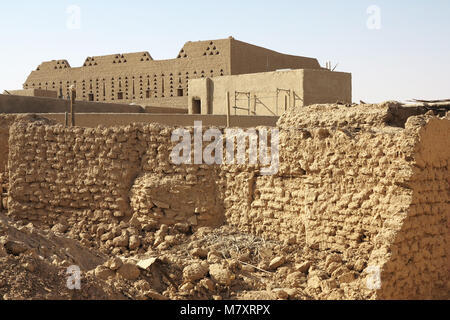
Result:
pixel 395 50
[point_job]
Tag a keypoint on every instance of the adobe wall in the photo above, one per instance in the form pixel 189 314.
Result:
pixel 351 187
pixel 248 58
pixel 382 193
pixel 165 110
pixel 5 123
pixel 22 104
pixel 34 93
pixel 93 120
pixel 305 86
pixel 96 180
pixel 6 120
pixel 414 246
pixel 263 85
pixel 322 86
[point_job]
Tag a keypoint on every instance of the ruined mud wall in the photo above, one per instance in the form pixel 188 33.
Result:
pixel 370 194
pixel 339 168
pixel 5 122
pixel 370 185
pixel 414 246
pixel 330 187
pixel 375 194
pixel 57 171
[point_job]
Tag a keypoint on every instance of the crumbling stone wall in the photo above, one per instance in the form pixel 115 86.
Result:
pixel 63 170
pixel 413 246
pixel 369 185
pixel 55 171
pixel 337 172
pixel 6 120
pixel 377 195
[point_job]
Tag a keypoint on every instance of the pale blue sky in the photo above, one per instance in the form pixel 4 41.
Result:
pixel 409 57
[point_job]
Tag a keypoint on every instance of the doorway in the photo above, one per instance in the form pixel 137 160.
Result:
pixel 196 106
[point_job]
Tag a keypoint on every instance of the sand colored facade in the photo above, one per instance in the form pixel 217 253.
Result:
pixel 365 187
pixel 136 77
pixel 268 93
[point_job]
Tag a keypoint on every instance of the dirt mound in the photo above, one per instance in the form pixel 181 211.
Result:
pixel 33 265
pixel 209 264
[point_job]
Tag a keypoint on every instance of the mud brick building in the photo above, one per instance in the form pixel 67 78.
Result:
pixel 138 78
